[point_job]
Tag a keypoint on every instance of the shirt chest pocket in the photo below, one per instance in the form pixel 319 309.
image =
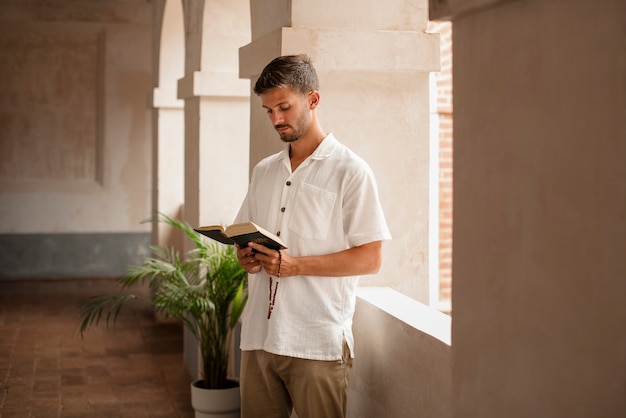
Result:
pixel 313 208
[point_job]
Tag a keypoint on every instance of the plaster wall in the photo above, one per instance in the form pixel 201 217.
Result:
pixel 539 313
pixel 91 80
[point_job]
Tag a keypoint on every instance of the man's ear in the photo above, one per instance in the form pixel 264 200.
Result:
pixel 314 99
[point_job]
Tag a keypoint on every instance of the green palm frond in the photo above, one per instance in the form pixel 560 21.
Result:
pixel 205 290
pixel 108 305
pixel 180 225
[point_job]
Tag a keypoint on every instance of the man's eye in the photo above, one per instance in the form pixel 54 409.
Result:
pixel 284 109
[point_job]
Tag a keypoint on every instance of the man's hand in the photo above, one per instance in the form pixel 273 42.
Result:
pixel 247 259
pixel 272 262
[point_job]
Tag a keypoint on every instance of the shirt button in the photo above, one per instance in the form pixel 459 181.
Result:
pixel 282 209
pixel 278 234
pixel 288 183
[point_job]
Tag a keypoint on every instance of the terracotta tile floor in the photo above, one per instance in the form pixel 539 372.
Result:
pixel 47 370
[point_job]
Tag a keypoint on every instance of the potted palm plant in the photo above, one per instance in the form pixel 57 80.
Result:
pixel 205 291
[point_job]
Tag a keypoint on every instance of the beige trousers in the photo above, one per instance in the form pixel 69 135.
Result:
pixel 273 385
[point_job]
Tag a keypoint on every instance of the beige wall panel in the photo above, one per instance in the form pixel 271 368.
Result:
pixel 49 106
pixel 89 123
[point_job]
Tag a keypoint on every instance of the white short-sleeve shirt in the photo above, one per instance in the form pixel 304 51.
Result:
pixel 329 204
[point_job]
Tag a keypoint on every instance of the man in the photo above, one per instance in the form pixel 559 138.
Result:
pixel 322 200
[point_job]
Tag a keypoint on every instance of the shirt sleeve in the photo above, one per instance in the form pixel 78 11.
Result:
pixel 364 219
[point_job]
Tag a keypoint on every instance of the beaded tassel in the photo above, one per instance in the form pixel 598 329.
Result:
pixel 272 301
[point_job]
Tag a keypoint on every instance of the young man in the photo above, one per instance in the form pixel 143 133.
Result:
pixel 322 200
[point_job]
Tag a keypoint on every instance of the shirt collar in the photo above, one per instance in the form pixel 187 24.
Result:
pixel 323 150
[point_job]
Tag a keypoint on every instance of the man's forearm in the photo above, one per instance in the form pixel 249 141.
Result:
pixel 365 259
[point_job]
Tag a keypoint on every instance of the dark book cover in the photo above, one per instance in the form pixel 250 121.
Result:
pixel 217 234
pixel 258 238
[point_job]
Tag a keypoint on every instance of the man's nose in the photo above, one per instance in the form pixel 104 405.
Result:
pixel 277 118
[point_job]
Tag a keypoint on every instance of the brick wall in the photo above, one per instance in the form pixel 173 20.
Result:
pixel 444 109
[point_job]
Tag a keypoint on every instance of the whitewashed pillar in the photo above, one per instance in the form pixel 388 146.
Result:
pixel 373 60
pixel 216 118
pixel 216 110
pixel 167 120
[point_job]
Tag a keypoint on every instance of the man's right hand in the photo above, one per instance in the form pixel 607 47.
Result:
pixel 245 256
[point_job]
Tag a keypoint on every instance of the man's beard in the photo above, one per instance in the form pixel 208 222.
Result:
pixel 299 127
pixel 286 138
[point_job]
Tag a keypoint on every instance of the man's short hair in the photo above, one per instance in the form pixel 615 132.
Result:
pixel 293 71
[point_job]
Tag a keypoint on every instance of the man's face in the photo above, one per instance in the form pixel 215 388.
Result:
pixel 288 111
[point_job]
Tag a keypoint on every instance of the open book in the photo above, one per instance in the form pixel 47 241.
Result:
pixel 242 234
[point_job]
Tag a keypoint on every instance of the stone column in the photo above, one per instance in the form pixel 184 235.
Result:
pixel 539 203
pixel 167 120
pixel 216 110
pixel 373 60
pixel 216 118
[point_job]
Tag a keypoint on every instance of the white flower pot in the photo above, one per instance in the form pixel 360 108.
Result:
pixel 215 403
